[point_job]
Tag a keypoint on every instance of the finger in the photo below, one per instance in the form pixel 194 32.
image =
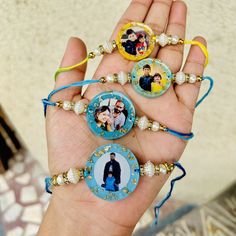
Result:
pixel 188 93
pixel 136 12
pixel 114 62
pixel 75 51
pixel 173 55
pixel 157 18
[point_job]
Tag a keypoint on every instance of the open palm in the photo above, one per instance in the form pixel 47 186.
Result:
pixel 70 142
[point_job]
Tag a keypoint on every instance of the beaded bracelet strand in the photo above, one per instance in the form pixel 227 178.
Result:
pixel 135 41
pixel 111 115
pixel 112 173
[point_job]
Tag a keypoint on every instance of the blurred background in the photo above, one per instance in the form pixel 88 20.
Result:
pixel 32 41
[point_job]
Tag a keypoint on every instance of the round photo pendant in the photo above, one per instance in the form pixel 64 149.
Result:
pixel 135 41
pixel 112 172
pixel 110 115
pixel 151 77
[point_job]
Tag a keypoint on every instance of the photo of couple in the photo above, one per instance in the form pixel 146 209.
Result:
pixel 111 115
pixel 135 41
pixel 149 82
pixel 112 174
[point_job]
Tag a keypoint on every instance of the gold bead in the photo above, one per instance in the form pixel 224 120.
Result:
pixel 59 104
pixel 199 78
pixel 157 170
pixel 101 49
pixel 54 180
pixel 103 80
pixel 141 170
pixel 181 41
pixel 65 179
pixel 129 77
pixel 187 78
pixel 115 77
pixel 163 127
pixel 91 55
pixel 114 44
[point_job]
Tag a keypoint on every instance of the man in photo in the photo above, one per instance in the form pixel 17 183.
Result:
pixel 130 44
pixel 146 80
pixel 113 167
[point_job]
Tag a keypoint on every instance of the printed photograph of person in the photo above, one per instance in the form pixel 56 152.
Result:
pixel 151 80
pixel 111 115
pixel 135 41
pixel 112 171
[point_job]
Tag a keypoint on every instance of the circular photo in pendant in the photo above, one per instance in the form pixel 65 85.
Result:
pixel 112 172
pixel 110 115
pixel 151 77
pixel 135 41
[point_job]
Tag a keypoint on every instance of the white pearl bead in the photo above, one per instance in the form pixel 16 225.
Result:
pixel 67 105
pixel 162 169
pixel 180 77
pixel 155 126
pixel 122 78
pixel 192 78
pixel 143 122
pixel 60 180
pixel 163 39
pixel 110 78
pixel 97 52
pixel 108 48
pixel 149 169
pixel 174 39
pixel 79 107
pixel 72 176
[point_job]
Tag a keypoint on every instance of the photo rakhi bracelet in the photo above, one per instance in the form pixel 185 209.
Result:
pixel 151 78
pixel 112 173
pixel 135 41
pixel 111 115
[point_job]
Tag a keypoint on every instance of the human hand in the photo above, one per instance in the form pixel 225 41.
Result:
pixel 70 141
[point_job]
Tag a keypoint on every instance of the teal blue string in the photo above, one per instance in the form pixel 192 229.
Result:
pixel 47 102
pixel 207 92
pixel 168 195
pixel 184 136
pixel 48 184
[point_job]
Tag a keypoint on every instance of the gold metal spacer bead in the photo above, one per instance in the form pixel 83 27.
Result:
pixel 199 78
pixel 54 180
pixel 101 49
pixel 157 169
pixel 115 77
pixel 136 121
pixel 163 127
pixel 114 44
pixel 81 174
pixel 59 104
pixel 65 179
pixel 91 55
pixel 187 78
pixel 181 41
pixel 141 170
pixel 129 77
pixel 169 167
pixel 103 80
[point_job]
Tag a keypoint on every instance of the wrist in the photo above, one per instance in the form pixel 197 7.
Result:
pixel 65 216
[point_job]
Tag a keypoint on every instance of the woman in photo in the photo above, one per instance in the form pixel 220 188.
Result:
pixel 158 83
pixel 103 119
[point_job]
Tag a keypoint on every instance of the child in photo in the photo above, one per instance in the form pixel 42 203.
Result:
pixel 110 182
pixel 141 46
pixel 158 83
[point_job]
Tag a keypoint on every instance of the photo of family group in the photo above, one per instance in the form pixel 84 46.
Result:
pixel 112 171
pixel 135 41
pixel 111 115
pixel 152 79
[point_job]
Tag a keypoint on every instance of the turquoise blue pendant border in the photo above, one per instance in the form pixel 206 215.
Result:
pixel 135 79
pixel 94 104
pixel 134 173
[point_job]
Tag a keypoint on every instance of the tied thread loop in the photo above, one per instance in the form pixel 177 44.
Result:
pixel 46 101
pixel 168 195
pixel 202 47
pixel 69 68
pixel 184 136
pixel 207 92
